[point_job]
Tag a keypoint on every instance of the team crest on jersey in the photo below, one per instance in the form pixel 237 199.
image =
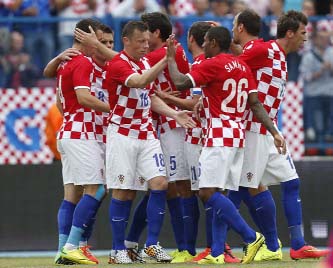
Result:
pixel 249 176
pixel 142 180
pixel 121 178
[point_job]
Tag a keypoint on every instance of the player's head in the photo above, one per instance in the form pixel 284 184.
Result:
pixel 135 37
pixel 246 22
pixel 84 26
pixel 291 27
pixel 159 26
pixel 104 35
pixel 196 34
pixel 217 40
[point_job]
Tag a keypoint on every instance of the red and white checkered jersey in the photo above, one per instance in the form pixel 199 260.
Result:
pixel 129 107
pixel 194 135
pixel 267 61
pixel 164 81
pixel 226 82
pixel 99 90
pixel 78 122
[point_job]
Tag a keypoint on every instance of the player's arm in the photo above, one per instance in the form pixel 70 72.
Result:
pixel 87 100
pixel 90 39
pixel 262 116
pixel 142 80
pixel 185 104
pixel 180 80
pixel 58 103
pixel 51 68
pixel 182 117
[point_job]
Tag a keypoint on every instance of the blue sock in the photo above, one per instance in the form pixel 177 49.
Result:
pixel 88 232
pixel 155 215
pixel 293 211
pixel 84 211
pixel 191 221
pixel 65 218
pixel 139 222
pixel 209 225
pixel 176 215
pixel 247 199
pixel 118 216
pixel 228 212
pixel 219 233
pixel 266 211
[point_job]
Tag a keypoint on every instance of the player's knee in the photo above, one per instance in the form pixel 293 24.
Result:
pixel 158 183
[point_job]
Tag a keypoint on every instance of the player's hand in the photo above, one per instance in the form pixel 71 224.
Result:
pixel 213 23
pixel 68 54
pixel 235 49
pixel 197 109
pixel 280 144
pixel 171 47
pixel 87 39
pixel 184 119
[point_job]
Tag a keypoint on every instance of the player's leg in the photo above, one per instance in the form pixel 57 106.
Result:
pixel 281 169
pixel 121 172
pixel 170 145
pixel 221 167
pixel 151 166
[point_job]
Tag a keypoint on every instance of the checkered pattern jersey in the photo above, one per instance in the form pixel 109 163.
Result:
pixel 163 81
pixel 99 90
pixel 225 82
pixel 130 109
pixel 194 135
pixel 267 61
pixel 79 122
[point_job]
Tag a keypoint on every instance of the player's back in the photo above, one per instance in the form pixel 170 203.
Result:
pixel 268 64
pixel 73 74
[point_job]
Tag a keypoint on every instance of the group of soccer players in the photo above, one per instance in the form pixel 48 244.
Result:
pixel 126 126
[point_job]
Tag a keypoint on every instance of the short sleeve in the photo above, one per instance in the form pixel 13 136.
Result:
pixel 82 73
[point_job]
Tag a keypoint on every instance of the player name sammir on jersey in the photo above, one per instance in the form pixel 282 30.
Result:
pixel 235 64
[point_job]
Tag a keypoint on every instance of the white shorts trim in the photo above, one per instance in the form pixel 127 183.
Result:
pixel 83 161
pixel 192 153
pixel 131 163
pixel 220 167
pixel 172 143
pixel 263 164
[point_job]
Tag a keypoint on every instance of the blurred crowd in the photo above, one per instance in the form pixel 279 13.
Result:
pixel 25 48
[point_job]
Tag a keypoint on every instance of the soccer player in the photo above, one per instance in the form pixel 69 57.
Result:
pixel 132 145
pixel 180 200
pixel 263 166
pixel 227 86
pixel 194 138
pixel 91 138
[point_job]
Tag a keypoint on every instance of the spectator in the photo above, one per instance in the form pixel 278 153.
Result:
pixel 19 70
pixel 37 34
pixel 133 8
pixel 220 8
pixel 260 6
pixel 201 7
pixel 181 8
pixel 317 71
pixel 237 6
pixel 269 27
pixel 53 123
pixel 74 10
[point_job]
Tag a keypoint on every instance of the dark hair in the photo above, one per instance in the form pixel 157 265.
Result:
pixel 131 26
pixel 290 21
pixel 251 21
pixel 105 28
pixel 160 21
pixel 198 31
pixel 221 35
pixel 84 25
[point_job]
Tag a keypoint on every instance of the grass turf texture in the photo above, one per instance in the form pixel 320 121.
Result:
pixel 48 263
